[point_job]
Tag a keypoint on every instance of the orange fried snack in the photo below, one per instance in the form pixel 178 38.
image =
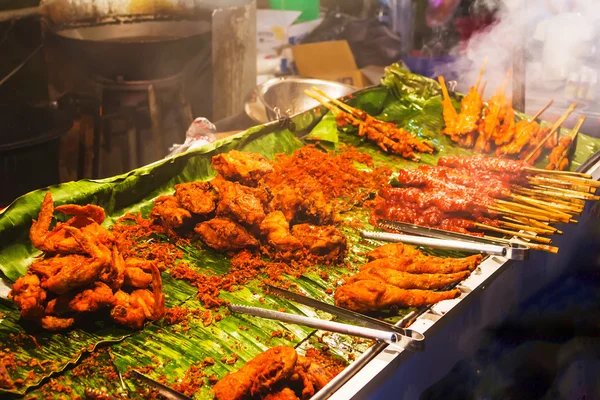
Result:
pixel 197 197
pixel 369 296
pixel 224 235
pixel 405 280
pixel 245 167
pixel 426 264
pixel 258 375
pixel 393 250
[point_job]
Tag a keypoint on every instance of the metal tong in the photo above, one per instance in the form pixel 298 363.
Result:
pixel 371 328
pixel 422 236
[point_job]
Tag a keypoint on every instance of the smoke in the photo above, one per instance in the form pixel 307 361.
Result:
pixel 559 40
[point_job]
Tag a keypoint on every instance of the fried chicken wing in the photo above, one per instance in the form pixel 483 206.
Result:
pixel 322 241
pixel 138 272
pixel 132 310
pixel 245 167
pixel 369 296
pixel 82 214
pixel 167 211
pixel 91 300
pixel 311 377
pixel 114 274
pixel 258 375
pixel 426 264
pixel 239 204
pixel 28 295
pixel 78 271
pixel 277 229
pixel 405 280
pixel 393 250
pixel 224 235
pixel 197 197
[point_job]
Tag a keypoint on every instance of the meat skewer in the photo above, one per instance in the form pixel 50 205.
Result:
pixel 554 129
pixel 558 156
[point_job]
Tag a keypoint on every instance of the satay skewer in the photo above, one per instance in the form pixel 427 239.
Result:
pixel 550 214
pixel 554 129
pixel 513 233
pixel 572 139
pixel 526 228
pixel 546 205
pixel 535 223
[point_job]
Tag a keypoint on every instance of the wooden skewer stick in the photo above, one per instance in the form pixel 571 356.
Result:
pixel 540 247
pixel 572 139
pixel 573 174
pixel 340 104
pixel 482 90
pixel 525 228
pixel 513 233
pixel 481 73
pixel 553 215
pixel 578 183
pixel 550 230
pixel 573 193
pixel 539 113
pixel 502 210
pixel 331 107
pixel 545 205
pixel 555 127
pixel 540 195
pixel 574 180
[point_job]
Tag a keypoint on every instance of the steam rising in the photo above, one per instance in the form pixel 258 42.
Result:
pixel 559 38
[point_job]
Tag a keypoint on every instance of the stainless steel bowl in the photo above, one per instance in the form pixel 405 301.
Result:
pixel 281 97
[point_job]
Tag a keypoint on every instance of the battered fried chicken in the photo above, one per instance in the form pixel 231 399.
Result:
pixel 197 197
pixel 258 375
pixel 426 264
pixel 79 271
pixel 277 230
pixel 90 300
pixel 137 272
pixel 405 280
pixel 132 310
pixel 369 296
pixel 393 250
pixel 114 274
pixel 322 241
pixel 28 295
pixel 52 323
pixel 245 167
pixel 224 235
pixel 169 212
pixel 310 376
pixel 304 202
pixel 239 204
pixel 283 394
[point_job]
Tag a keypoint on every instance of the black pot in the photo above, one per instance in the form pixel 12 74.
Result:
pixel 29 149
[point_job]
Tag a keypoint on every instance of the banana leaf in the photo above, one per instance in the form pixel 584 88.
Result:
pixel 168 351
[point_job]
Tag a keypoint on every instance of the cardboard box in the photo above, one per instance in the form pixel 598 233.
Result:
pixel 329 60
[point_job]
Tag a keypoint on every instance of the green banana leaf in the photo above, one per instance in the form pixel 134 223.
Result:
pixel 168 351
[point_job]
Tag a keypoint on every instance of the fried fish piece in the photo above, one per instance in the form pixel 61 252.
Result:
pixel 258 375
pixel 168 212
pixel 199 198
pixel 393 250
pixel 426 264
pixel 239 204
pixel 322 241
pixel 244 167
pixel 224 235
pixel 404 280
pixel 369 296
pixel 277 230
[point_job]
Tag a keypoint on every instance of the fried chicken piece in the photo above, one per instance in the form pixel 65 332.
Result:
pixel 114 274
pixel 283 394
pixel 137 272
pixel 168 212
pixel 322 241
pixel 7 383
pixel 405 280
pixel 311 377
pixel 197 197
pixel 426 264
pixel 258 375
pixel 305 202
pixel 277 229
pixel 239 204
pixel 132 310
pixel 58 240
pixel 393 250
pixel 91 300
pixel 79 271
pixel 368 296
pixel 47 267
pixel 52 323
pixel 224 235
pixel 28 295
pixel 245 167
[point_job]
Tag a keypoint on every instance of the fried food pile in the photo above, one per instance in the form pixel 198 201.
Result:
pixel 401 276
pixel 248 206
pixel 81 271
pixel 277 374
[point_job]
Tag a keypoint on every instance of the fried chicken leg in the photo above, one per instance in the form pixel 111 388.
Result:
pixel 225 235
pixel 369 296
pixel 426 264
pixel 404 280
pixel 393 250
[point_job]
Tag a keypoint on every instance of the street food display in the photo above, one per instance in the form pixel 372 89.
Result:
pixel 134 276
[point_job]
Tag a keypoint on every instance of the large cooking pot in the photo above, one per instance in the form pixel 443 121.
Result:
pixel 29 149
